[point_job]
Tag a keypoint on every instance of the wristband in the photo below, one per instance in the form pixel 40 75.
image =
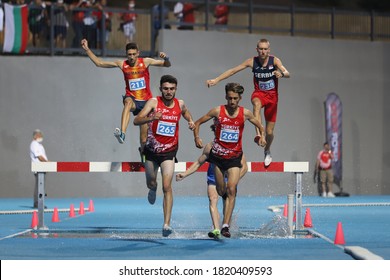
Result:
pixel 166 58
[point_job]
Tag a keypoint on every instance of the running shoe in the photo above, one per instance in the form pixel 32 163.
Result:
pixel 216 234
pixel 166 231
pixel 225 232
pixel 119 135
pixel 323 194
pixel 330 194
pixel 152 196
pixel 267 158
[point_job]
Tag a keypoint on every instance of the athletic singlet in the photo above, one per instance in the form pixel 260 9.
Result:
pixel 325 159
pixel 163 134
pixel 263 78
pixel 137 80
pixel 228 134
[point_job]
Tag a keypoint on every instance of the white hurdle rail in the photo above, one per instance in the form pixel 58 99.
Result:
pixel 41 168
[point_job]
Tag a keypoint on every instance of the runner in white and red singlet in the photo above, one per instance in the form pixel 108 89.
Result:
pixel 226 151
pixel 267 70
pixel 162 115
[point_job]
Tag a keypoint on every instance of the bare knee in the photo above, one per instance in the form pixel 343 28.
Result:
pixel 167 188
pixel 128 102
pixel 213 198
pixel 256 105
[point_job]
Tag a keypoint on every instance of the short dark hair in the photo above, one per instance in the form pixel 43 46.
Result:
pixel 168 79
pixel 235 87
pixel 131 46
pixel 326 143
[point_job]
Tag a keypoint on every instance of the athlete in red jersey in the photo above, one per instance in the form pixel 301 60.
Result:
pixel 221 13
pixel 136 74
pixel 266 70
pixel 162 115
pixel 226 152
pixel 324 166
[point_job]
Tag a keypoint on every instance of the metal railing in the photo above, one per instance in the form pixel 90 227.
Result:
pixel 246 17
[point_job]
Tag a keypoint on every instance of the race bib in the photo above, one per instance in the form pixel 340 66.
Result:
pixel 137 84
pixel 166 128
pixel 268 85
pixel 229 135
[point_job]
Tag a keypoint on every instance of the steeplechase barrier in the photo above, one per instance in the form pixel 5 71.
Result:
pixel 41 168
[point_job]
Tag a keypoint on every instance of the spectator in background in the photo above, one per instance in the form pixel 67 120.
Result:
pixel 61 24
pixel 178 12
pixel 324 167
pixel 37 20
pixel 188 16
pixel 128 22
pixel 37 154
pixel 77 21
pixel 221 14
pixel 101 5
pixel 157 19
pixel 90 24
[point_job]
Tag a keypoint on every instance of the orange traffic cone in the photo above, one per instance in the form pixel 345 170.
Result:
pixel 91 208
pixel 71 211
pixel 55 218
pixel 339 237
pixel 285 211
pixel 81 209
pixel 34 221
pixel 308 223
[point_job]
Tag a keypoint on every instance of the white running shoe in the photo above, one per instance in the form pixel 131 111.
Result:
pixel 330 194
pixel 323 194
pixel 119 135
pixel 267 159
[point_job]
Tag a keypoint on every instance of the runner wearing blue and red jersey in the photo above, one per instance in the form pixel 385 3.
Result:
pixel 267 70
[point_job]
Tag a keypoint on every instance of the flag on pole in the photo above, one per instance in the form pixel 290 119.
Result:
pixel 16 28
pixel 334 113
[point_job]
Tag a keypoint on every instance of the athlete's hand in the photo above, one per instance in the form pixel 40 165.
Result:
pixel 179 177
pixel 260 140
pixel 198 142
pixel 278 74
pixel 211 82
pixel 156 116
pixel 191 125
pixel 84 44
pixel 162 55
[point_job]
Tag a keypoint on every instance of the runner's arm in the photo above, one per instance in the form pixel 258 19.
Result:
pixel 158 62
pixel 230 72
pixel 97 61
pixel 144 116
pixel 211 114
pixel 282 71
pixel 196 164
pixel 187 115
